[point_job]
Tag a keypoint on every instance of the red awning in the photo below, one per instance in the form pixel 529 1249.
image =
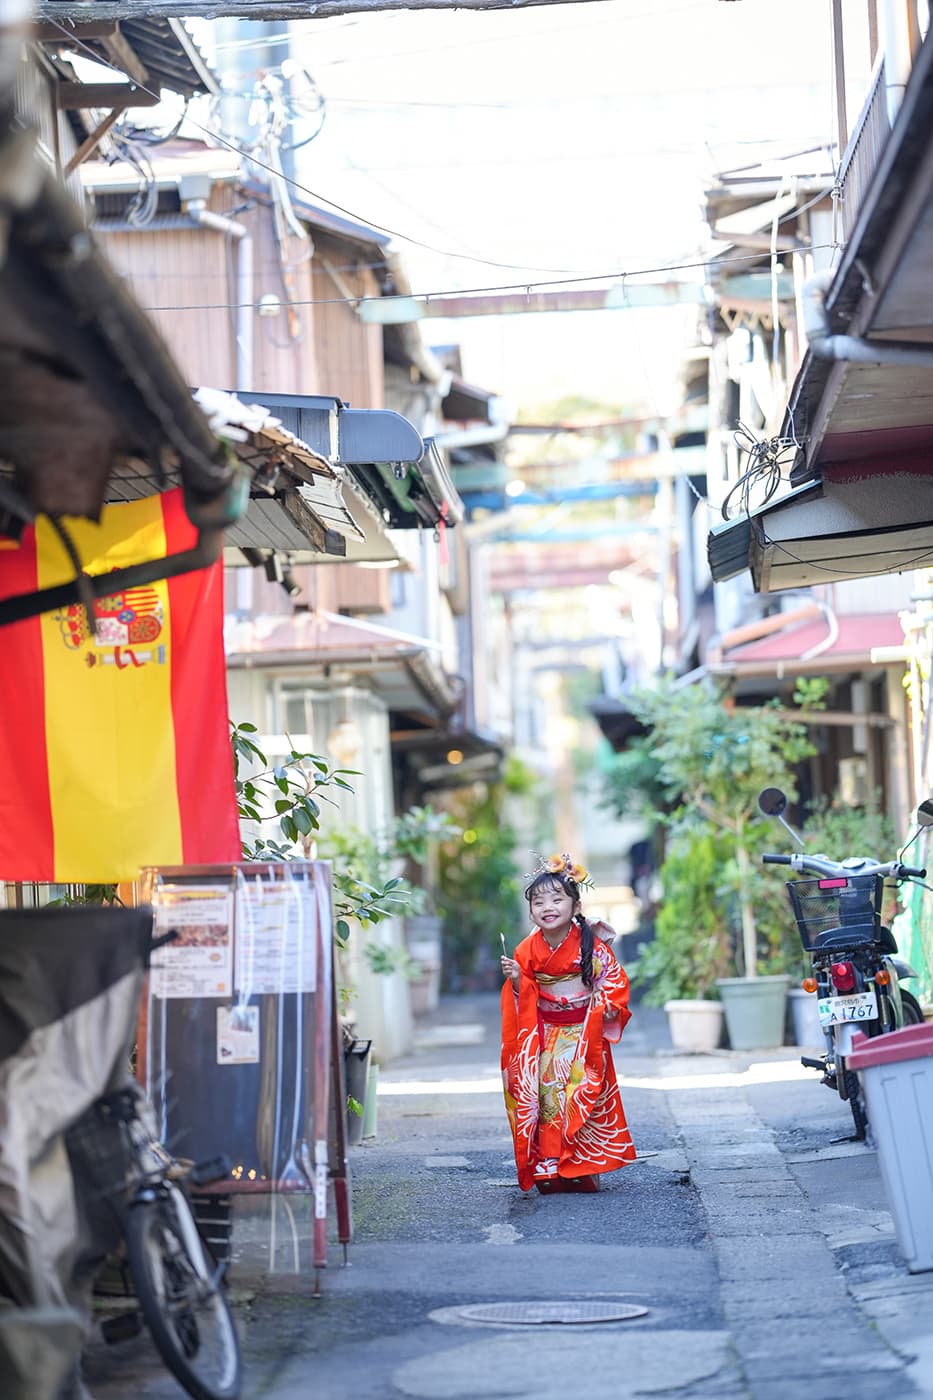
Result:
pixel 858 636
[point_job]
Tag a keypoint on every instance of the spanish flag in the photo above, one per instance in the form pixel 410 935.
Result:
pixel 115 748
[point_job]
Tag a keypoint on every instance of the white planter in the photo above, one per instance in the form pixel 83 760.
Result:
pixel 423 937
pixel 805 1019
pixel 694 1025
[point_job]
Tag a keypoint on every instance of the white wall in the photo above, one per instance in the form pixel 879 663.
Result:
pixel 379 1005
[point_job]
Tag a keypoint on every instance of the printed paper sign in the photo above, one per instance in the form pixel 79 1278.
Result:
pixel 238 1035
pixel 276 942
pixel 199 961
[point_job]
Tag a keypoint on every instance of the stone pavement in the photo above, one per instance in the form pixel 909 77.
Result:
pixel 759 1244
pixel 827 1328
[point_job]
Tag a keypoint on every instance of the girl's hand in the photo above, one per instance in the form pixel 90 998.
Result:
pixel 511 970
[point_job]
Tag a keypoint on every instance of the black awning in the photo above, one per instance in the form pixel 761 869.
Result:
pixel 448 757
pixel 464 403
pixel 617 722
pixel 728 548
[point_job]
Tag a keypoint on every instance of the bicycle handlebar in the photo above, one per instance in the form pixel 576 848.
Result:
pixel 822 865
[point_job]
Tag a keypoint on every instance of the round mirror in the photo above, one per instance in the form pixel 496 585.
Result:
pixel 773 802
pixel 925 812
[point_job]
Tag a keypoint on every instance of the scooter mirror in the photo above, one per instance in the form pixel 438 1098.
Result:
pixel 925 812
pixel 773 802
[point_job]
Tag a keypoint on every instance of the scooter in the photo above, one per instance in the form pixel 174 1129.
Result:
pixel 857 972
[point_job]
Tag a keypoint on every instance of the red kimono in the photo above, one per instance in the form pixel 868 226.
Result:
pixel 560 1084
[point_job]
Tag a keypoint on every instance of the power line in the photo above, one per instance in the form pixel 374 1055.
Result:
pixel 614 277
pixel 320 198
pixel 383 228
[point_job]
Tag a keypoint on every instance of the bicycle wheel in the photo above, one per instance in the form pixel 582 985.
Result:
pixel 182 1300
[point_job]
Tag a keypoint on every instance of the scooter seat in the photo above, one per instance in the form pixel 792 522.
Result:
pixel 887 940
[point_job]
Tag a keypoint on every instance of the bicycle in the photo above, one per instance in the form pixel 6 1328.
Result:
pixel 129 1186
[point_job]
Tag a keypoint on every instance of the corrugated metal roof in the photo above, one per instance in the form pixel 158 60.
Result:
pixel 857 636
pixel 165 47
pixel 401 667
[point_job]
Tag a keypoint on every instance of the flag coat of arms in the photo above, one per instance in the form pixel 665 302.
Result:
pixel 115 747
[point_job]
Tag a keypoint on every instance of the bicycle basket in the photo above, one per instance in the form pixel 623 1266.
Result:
pixel 849 905
pixel 100 1146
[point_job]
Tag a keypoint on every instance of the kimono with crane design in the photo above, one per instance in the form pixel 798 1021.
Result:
pixel 561 1093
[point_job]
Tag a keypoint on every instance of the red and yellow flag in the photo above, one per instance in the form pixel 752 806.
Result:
pixel 115 749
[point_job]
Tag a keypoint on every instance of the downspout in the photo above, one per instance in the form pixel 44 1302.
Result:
pixel 829 640
pixel 826 346
pixel 900 39
pixel 197 210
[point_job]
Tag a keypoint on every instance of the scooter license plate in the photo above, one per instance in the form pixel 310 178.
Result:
pixel 860 1006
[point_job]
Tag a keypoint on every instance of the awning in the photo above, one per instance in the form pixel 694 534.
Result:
pixel 616 722
pixel 404 670
pixel 301 504
pixel 844 643
pixel 466 403
pixel 403 475
pixel 157 52
pixel 849 525
pixel 449 757
pixel 89 392
pixel 861 406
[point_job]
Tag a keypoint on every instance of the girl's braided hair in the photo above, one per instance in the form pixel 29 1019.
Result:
pixel 587 937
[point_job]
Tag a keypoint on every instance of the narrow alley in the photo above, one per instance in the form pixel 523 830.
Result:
pixel 748 1253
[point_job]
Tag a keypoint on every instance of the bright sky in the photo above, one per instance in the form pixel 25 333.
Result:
pixel 553 141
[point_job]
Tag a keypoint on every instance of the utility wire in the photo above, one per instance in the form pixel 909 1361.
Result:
pixel 614 277
pixel 360 218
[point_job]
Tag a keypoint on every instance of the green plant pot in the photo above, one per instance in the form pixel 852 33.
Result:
pixel 755 1008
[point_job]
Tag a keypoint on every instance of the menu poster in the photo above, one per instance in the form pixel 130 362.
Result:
pixel 199 960
pixel 276 943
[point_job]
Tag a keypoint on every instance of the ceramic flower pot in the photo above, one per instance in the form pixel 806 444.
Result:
pixel 694 1024
pixel 755 1009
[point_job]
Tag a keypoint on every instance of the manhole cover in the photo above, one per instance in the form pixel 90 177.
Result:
pixel 546 1314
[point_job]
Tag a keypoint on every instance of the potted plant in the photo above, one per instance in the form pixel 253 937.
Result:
pixel 396 868
pixel 714 757
pixel 416 838
pixel 691 946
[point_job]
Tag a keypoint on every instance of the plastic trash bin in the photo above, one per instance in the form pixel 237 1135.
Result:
pixel 356 1065
pixel 896 1071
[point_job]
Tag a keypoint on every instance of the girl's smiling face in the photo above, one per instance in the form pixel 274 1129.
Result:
pixel 552 908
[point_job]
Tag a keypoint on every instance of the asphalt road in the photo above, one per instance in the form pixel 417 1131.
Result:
pixel 758 1252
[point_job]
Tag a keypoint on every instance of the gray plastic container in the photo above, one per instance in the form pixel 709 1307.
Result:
pixel 896 1071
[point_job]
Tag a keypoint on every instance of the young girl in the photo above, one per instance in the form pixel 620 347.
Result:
pixel 564 997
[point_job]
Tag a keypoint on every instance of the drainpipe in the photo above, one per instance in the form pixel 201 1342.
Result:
pixel 826 346
pixel 829 640
pixel 900 38
pixel 197 210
